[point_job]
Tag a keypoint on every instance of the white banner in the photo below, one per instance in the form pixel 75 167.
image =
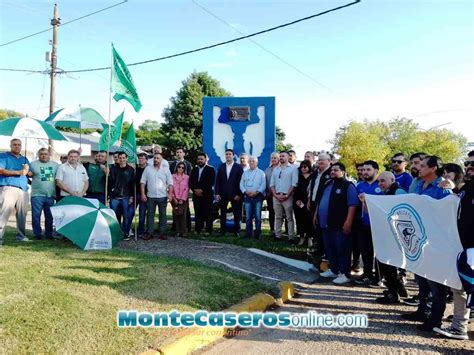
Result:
pixel 417 233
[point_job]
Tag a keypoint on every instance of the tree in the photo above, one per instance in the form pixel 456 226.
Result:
pixel 149 132
pixel 4 114
pixel 183 117
pixel 280 144
pixel 379 141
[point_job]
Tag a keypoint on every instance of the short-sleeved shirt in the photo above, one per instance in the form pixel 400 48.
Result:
pixel 9 161
pixel 370 189
pixel 44 178
pixel 96 178
pixel 433 190
pixel 157 181
pixel 323 214
pixel 283 178
pixel 404 180
pixel 73 178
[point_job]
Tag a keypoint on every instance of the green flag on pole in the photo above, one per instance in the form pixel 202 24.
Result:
pixel 122 83
pixel 129 144
pixel 115 134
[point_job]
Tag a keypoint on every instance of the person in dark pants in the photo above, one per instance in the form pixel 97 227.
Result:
pixel 335 215
pixel 142 211
pixel 122 191
pixel 320 176
pixel 300 203
pixel 393 281
pixel 228 190
pixel 201 183
pixel 180 154
pixel 274 162
pixel 430 172
pixel 363 234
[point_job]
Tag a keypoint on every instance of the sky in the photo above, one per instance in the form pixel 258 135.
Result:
pixel 378 59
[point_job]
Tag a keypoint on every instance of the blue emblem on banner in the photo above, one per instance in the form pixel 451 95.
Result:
pixel 408 230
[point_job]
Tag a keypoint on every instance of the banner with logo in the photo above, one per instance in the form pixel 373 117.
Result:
pixel 417 233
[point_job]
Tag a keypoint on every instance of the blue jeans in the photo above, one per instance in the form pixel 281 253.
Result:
pixel 151 208
pixel 253 210
pixel 122 209
pixel 41 204
pixel 338 249
pixel 141 216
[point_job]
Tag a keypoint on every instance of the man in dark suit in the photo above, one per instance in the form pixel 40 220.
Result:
pixel 201 182
pixel 228 190
pixel 180 154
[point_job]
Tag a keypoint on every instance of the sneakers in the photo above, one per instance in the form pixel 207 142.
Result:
pixel 22 239
pixel 451 332
pixel 301 242
pixel 363 280
pixel 127 238
pixel 388 298
pixel 413 301
pixel 426 327
pixel 376 284
pixel 356 271
pixel 328 273
pixel 341 279
pixel 415 317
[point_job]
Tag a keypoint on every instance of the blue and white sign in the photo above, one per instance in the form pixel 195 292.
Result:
pixel 417 233
pixel 408 230
pixel 243 124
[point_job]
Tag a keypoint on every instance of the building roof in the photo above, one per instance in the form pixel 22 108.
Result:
pixel 91 139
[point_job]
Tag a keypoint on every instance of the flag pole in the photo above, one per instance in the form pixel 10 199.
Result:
pixel 107 171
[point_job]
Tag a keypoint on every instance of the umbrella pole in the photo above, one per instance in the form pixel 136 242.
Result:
pixel 108 137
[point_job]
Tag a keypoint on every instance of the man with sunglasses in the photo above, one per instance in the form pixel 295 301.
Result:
pixel 399 165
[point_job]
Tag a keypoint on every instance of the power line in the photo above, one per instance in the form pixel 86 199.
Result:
pixel 63 24
pixel 206 47
pixel 261 46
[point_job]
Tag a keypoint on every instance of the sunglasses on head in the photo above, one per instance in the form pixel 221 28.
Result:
pixel 396 161
pixel 467 163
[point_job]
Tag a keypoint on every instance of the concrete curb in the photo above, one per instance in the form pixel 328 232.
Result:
pixel 196 338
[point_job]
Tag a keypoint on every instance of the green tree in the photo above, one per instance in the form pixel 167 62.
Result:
pixel 4 114
pixel 149 132
pixel 280 144
pixel 379 141
pixel 183 117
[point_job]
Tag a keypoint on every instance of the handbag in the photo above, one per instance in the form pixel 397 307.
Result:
pixel 179 210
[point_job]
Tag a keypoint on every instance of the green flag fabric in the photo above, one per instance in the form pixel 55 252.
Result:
pixel 122 83
pixel 115 134
pixel 129 144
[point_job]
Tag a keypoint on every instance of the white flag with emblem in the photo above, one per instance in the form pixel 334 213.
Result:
pixel 417 233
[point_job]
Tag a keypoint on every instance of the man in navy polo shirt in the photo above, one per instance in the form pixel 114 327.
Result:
pixel 431 169
pixel 363 234
pixel 14 169
pixel 399 165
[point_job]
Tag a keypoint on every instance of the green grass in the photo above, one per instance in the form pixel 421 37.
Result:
pixel 57 298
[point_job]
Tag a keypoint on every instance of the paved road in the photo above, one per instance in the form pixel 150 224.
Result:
pixel 386 333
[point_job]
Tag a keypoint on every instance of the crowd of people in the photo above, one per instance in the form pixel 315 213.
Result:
pixel 314 201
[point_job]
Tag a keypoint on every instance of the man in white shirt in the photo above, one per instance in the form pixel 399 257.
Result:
pixel 72 177
pixel 164 162
pixel 159 184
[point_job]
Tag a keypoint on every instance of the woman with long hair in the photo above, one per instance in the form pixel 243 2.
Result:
pixel 179 201
pixel 302 214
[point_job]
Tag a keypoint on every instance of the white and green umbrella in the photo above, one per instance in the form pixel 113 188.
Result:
pixel 29 128
pixel 81 117
pixel 86 222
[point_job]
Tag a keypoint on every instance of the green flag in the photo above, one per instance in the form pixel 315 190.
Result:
pixel 129 144
pixel 115 134
pixel 122 83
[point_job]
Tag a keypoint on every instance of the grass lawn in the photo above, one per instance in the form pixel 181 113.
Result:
pixel 55 297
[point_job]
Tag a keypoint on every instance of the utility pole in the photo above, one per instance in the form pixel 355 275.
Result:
pixel 55 22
